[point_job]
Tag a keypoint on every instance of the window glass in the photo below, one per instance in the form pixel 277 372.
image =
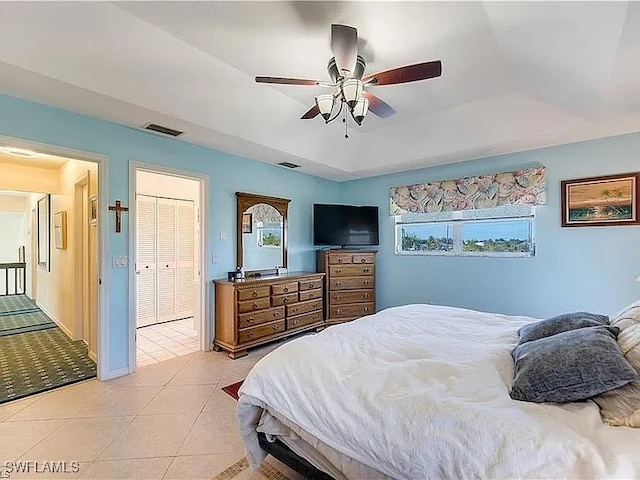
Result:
pixel 497 236
pixel 427 237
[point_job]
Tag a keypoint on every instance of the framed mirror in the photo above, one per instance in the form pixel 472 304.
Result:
pixel 44 227
pixel 262 233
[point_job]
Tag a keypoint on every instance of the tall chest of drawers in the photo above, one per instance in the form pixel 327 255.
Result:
pixel 258 311
pixel 350 283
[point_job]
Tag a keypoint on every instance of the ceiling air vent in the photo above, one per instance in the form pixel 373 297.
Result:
pixel 288 165
pixel 154 127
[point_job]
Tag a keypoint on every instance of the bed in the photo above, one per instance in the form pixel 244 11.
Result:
pixel 422 391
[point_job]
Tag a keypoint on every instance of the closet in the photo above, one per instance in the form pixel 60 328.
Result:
pixel 165 259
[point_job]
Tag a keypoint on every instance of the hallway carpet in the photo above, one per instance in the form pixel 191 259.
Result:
pixel 24 322
pixel 35 355
pixel 16 303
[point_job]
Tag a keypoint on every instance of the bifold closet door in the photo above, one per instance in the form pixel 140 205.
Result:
pixel 185 216
pixel 167 259
pixel 146 215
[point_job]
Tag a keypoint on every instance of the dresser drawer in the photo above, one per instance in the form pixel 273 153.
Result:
pixel 303 307
pixel 250 293
pixel 351 270
pixel 250 334
pixel 311 284
pixel 351 283
pixel 253 305
pixel 284 299
pixel 351 296
pixel 250 319
pixel 357 310
pixel 302 320
pixel 310 294
pixel 340 259
pixel 364 258
pixel 286 288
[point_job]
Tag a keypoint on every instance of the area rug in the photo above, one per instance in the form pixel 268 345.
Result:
pixel 16 303
pixel 38 361
pixel 232 389
pixel 271 469
pixel 23 322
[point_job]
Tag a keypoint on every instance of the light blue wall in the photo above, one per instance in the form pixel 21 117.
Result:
pixel 574 268
pixel 229 173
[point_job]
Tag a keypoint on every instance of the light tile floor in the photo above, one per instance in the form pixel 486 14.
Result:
pixel 165 421
pixel 157 343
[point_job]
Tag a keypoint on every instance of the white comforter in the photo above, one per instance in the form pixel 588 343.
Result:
pixel 422 391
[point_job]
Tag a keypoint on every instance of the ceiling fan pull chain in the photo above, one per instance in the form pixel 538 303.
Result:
pixel 344 120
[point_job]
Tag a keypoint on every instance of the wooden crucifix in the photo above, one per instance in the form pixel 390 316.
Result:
pixel 118 208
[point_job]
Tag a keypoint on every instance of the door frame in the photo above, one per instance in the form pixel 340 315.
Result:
pixel 206 335
pixel 80 257
pixel 103 369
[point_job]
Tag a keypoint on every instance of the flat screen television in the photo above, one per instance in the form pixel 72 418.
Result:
pixel 345 225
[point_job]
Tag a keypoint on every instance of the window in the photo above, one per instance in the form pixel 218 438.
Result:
pixel 269 235
pixel 502 231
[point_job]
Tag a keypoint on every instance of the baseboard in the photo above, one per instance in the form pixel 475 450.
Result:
pixel 66 331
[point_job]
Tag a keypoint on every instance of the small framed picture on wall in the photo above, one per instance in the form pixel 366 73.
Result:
pixel 247 223
pixel 601 201
pixel 93 209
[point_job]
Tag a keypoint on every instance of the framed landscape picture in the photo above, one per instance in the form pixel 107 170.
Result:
pixel 600 201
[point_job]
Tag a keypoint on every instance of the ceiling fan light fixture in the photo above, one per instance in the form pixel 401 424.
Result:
pixel 325 105
pixel 352 90
pixel 361 109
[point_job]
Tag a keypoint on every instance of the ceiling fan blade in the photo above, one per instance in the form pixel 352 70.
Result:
pixel 378 106
pixel 311 113
pixel 287 81
pixel 409 73
pixel 344 45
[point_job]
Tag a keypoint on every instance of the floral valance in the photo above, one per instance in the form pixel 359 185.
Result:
pixel 520 187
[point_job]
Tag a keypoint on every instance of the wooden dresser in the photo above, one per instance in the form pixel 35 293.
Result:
pixel 253 312
pixel 350 283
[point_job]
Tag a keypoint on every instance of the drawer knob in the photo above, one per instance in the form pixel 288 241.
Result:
pixel 338 283
pixel 285 300
pixel 366 309
pixel 294 310
pixel 286 289
pixel 339 260
pixel 295 322
pixel 276 314
pixel 275 327
pixel 365 269
pixel 255 293
pixel 338 270
pixel 363 260
pixel 250 334
pixel 250 319
pixel 337 297
pixel 338 311
pixel 255 305
pixel 366 282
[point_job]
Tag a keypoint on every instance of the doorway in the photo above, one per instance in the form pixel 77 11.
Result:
pixel 167 241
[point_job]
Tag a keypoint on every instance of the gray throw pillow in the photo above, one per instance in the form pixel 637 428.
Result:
pixel 559 324
pixel 570 366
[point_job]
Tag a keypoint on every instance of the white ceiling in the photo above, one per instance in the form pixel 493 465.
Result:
pixel 48 162
pixel 515 76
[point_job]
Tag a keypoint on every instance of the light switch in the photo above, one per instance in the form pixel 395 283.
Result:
pixel 215 258
pixel 120 261
pixel 223 235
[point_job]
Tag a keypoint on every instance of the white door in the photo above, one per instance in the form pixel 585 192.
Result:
pixel 167 259
pixel 185 237
pixel 146 211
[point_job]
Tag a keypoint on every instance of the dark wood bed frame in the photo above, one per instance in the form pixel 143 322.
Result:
pixel 280 451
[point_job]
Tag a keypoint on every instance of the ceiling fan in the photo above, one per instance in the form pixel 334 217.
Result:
pixel 346 70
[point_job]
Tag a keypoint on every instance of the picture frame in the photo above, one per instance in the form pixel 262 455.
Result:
pixel 610 200
pixel 247 223
pixel 93 209
pixel 60 230
pixel 43 215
